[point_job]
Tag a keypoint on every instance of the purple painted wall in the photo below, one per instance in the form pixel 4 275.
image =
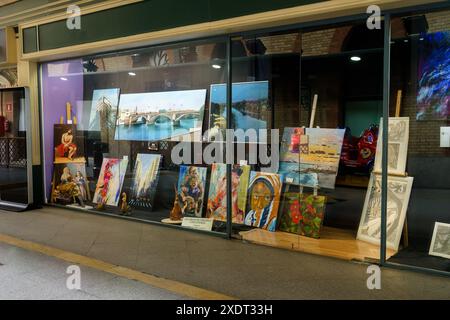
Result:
pixel 62 82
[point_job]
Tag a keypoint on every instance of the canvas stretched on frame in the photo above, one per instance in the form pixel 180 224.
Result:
pixel 399 191
pixel 397 145
pixel 145 180
pixel 440 243
pixel 104 103
pixel 114 181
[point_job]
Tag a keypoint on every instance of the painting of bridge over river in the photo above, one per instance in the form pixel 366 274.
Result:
pixel 250 107
pixel 155 116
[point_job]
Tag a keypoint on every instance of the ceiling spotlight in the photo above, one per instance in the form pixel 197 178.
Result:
pixel 355 58
pixel 63 79
pixel 216 66
pixel 131 74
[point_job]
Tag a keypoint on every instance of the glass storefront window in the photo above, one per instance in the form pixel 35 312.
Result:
pixel 419 143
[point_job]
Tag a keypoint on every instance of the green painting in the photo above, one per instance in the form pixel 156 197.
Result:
pixel 302 214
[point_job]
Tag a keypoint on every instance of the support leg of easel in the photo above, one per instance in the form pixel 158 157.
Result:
pixel 313 111
pixel 405 234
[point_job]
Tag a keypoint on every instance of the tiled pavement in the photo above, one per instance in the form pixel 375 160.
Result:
pixel 226 266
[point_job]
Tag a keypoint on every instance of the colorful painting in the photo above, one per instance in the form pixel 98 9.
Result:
pixel 217 199
pixel 293 144
pixel 263 200
pixel 250 108
pixel 110 181
pixel 104 109
pixel 397 146
pixel 433 93
pixel 67 147
pixel 399 191
pixel 440 243
pixel 302 214
pixel 298 174
pixel 69 181
pixel 156 116
pixel 145 180
pixel 191 190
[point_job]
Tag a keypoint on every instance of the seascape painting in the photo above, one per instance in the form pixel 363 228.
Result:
pixel 250 108
pixel 104 109
pixel 145 180
pixel 110 181
pixel 399 191
pixel 191 190
pixel 217 199
pixel 433 93
pixel 157 116
pixel 263 200
pixel 298 174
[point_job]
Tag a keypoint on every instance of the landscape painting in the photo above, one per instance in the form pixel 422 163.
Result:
pixel 156 116
pixel 433 93
pixel 302 214
pixel 397 146
pixel 217 199
pixel 263 200
pixel 67 147
pixel 399 191
pixel 110 181
pixel 250 108
pixel 145 180
pixel 440 243
pixel 298 174
pixel 191 190
pixel 104 109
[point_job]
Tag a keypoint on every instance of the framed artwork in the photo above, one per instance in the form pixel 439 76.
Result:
pixel 156 116
pixel 145 180
pixel 250 108
pixel 302 214
pixel 191 190
pixel 104 109
pixel 397 146
pixel 110 181
pixel 263 200
pixel 298 174
pixel 293 143
pixel 69 181
pixel 67 147
pixel 399 191
pixel 440 243
pixel 217 198
pixel 433 92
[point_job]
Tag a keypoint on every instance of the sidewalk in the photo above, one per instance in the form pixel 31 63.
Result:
pixel 230 267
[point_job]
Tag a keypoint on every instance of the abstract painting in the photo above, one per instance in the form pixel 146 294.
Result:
pixel 298 174
pixel 191 190
pixel 104 109
pixel 440 243
pixel 217 199
pixel 399 191
pixel 156 116
pixel 250 107
pixel 302 214
pixel 263 200
pixel 433 93
pixel 397 146
pixel 66 145
pixel 145 180
pixel 293 144
pixel 110 181
pixel 70 179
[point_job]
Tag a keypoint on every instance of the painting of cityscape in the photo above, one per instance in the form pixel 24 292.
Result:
pixel 110 181
pixel 104 109
pixel 250 108
pixel 145 180
pixel 191 190
pixel 263 200
pixel 217 199
pixel 302 214
pixel 160 115
pixel 433 93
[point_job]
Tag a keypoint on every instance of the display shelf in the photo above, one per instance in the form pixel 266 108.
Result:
pixel 337 243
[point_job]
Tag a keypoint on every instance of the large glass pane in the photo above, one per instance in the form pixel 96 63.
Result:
pixel 132 110
pixel 13 147
pixel 419 143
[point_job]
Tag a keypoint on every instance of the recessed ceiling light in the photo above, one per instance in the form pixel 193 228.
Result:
pixel 406 40
pixel 63 79
pixel 131 74
pixel 355 58
pixel 216 66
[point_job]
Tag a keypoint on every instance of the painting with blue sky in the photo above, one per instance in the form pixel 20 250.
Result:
pixel 250 107
pixel 103 109
pixel 156 116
